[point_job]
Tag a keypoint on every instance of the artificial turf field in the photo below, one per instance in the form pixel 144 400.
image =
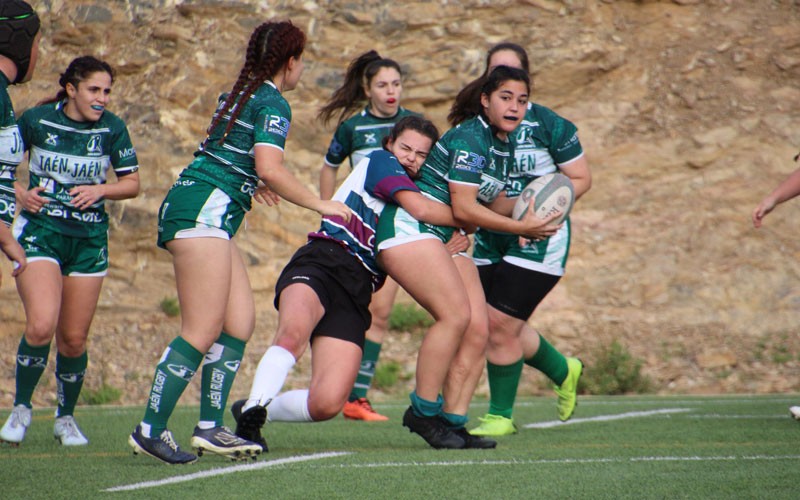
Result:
pixel 738 446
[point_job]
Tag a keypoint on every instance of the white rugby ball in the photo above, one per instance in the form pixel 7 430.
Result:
pixel 553 194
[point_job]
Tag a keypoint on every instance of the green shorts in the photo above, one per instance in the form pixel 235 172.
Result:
pixel 194 208
pixel 75 256
pixel 548 256
pixel 396 227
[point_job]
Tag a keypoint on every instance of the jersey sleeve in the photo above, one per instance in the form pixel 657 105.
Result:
pixel 123 154
pixel 386 177
pixel 466 159
pixel 340 147
pixel 272 125
pixel 564 143
pixel 25 129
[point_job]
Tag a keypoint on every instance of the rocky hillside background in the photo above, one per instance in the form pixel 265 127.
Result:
pixel 688 111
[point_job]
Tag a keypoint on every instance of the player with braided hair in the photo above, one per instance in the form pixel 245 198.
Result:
pixel 240 159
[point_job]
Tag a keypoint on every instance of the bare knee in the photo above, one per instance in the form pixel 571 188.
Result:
pixel 324 407
pixel 291 343
pixel 502 332
pixel 39 332
pixel 72 346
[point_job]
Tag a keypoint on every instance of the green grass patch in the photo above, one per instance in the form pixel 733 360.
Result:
pixel 170 306
pixel 614 371
pixel 387 374
pixel 103 395
pixel 409 318
pixel 626 447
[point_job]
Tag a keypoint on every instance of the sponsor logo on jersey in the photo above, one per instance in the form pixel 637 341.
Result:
pixel 102 257
pixel 11 147
pixel 52 139
pixel 336 147
pixel 468 161
pixel 126 153
pixel 7 207
pixel 571 142
pixel 181 371
pixel 525 136
pixel 277 125
pixel 94 147
pixel 370 138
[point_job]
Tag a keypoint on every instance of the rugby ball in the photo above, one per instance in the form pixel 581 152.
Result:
pixel 553 194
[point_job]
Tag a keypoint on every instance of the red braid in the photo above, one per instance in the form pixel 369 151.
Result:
pixel 269 49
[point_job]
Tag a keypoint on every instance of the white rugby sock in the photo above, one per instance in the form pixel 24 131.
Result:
pixel 270 376
pixel 291 406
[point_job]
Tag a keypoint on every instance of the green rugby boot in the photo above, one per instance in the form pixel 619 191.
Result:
pixel 494 425
pixel 568 392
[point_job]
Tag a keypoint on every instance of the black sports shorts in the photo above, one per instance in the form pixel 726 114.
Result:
pixel 343 285
pixel 515 290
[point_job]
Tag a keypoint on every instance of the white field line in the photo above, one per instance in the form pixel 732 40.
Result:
pixel 606 418
pixel 636 400
pixel 226 470
pixel 458 463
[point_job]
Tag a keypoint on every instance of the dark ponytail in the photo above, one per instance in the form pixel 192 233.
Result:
pixel 351 94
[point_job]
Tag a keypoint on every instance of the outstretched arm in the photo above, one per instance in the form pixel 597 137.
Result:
pixel 270 169
pixel 786 190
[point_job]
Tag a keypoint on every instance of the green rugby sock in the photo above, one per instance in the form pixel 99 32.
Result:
pixel 454 420
pixel 549 361
pixel 69 381
pixel 173 373
pixel 219 371
pixel 425 408
pixel 366 371
pixel 31 362
pixel 503 384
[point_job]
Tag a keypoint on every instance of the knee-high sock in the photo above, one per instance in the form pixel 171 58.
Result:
pixel 503 384
pixel 176 368
pixel 69 381
pixel 291 406
pixel 270 376
pixel 366 372
pixel 549 361
pixel 31 362
pixel 220 365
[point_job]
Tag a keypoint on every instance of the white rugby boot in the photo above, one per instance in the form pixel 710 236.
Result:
pixel 18 422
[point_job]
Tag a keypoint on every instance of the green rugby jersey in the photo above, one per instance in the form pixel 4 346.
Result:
pixel 11 150
pixel 543 141
pixel 230 165
pixel 64 154
pixel 469 153
pixel 360 135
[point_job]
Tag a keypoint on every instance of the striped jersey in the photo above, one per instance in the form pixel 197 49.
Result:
pixel 264 120
pixel 469 153
pixel 543 141
pixel 360 135
pixel 369 187
pixel 65 153
pixel 11 150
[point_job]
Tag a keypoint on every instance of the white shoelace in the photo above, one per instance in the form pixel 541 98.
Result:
pixel 166 436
